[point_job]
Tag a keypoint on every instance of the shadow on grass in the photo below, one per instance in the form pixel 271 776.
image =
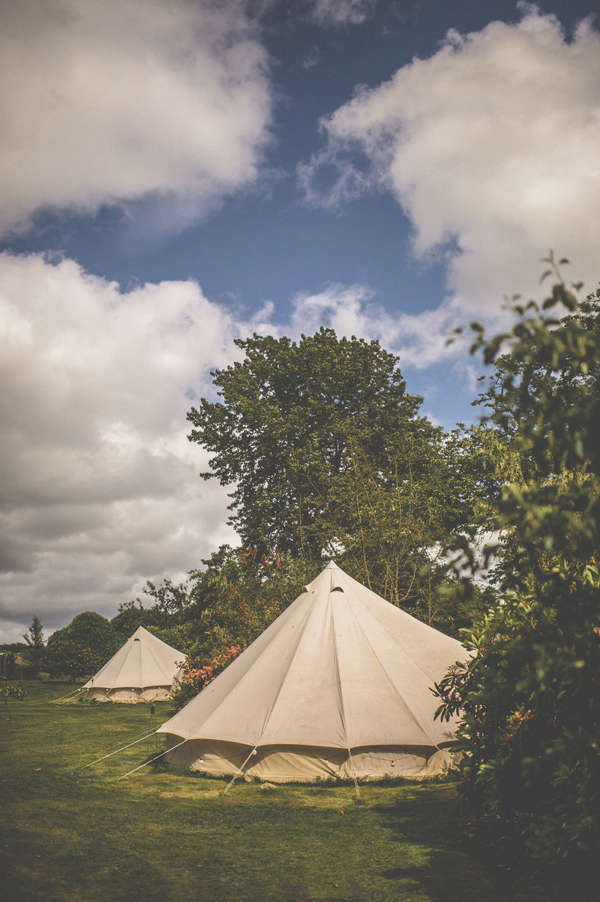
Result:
pixel 486 866
pixel 452 870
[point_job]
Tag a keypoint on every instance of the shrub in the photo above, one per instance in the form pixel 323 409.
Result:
pixel 530 698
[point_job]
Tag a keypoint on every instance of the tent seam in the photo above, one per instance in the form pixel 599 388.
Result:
pixel 282 684
pixel 387 632
pixel 388 677
pixel 160 666
pixel 235 685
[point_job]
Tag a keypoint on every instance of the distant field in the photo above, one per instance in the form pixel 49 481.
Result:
pixel 82 836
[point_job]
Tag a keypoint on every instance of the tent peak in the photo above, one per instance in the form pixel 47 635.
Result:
pixel 332 566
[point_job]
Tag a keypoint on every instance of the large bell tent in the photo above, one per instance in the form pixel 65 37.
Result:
pixel 339 685
pixel 143 670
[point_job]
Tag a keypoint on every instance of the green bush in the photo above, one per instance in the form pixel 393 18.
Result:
pixel 530 698
pixel 10 691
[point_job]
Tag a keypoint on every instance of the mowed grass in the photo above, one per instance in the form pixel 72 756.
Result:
pixel 83 835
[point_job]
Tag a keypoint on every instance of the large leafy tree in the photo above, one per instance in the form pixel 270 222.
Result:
pixel 394 509
pixel 281 435
pixel 82 647
pixel 530 698
pixel 327 455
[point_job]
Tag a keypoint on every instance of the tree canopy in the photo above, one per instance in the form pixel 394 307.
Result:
pixel 327 455
pixel 82 647
pixel 282 434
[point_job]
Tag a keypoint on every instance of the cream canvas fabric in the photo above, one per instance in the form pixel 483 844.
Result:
pixel 339 684
pixel 143 670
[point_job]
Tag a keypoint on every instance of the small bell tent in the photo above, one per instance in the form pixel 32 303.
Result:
pixel 143 670
pixel 339 685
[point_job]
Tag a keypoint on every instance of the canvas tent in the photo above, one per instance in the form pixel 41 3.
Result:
pixel 338 685
pixel 143 670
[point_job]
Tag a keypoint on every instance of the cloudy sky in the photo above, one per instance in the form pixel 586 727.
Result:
pixel 178 173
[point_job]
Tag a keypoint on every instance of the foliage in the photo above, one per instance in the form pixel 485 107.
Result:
pixel 195 679
pixel 281 434
pixel 531 695
pixel 34 637
pixel 8 667
pixel 133 614
pixel 82 647
pixel 12 691
pixel 328 458
pixel 394 513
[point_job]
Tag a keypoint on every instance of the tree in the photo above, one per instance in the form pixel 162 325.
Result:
pixel 34 637
pixel 328 457
pixel 281 436
pixel 133 614
pixel 82 647
pixel 530 698
pixel 394 512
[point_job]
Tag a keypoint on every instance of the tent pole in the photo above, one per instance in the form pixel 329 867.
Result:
pixel 354 777
pixel 239 771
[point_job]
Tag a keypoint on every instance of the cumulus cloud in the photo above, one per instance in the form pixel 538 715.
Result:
pixel 491 147
pixel 420 340
pixel 100 486
pixel 110 102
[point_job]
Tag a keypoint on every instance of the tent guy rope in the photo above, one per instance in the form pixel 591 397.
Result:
pixel 122 749
pixel 156 757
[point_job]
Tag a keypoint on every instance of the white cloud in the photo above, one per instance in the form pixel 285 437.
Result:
pixel 491 147
pixel 342 12
pixel 100 487
pixel 345 308
pixel 420 340
pixel 109 102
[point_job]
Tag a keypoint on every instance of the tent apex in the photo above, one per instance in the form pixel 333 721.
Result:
pixel 332 566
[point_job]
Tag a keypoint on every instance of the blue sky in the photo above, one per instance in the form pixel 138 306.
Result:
pixel 178 174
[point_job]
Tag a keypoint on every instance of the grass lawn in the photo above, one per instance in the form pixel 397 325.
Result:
pixel 83 836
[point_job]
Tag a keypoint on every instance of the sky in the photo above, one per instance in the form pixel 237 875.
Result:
pixel 176 174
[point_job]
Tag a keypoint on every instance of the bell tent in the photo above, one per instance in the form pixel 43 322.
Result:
pixel 338 686
pixel 143 670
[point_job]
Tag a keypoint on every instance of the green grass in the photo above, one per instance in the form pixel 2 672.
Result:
pixel 84 836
